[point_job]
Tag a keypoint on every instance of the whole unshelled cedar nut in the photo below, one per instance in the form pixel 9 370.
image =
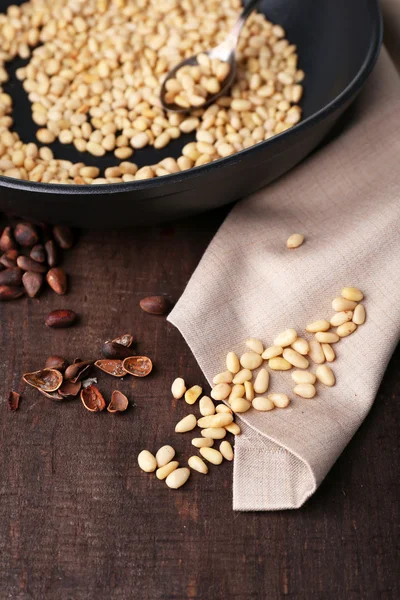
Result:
pixel 57 280
pixel 61 318
pixel 32 283
pixel 155 305
pixel 9 292
pixel 26 235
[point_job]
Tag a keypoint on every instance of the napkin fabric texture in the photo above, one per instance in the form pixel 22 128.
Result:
pixel 345 199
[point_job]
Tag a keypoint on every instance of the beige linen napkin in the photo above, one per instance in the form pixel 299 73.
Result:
pixel 346 200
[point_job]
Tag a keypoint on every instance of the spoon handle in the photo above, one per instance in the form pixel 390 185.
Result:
pixel 246 12
pixel 224 50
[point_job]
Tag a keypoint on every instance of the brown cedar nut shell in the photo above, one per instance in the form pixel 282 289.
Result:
pixel 119 402
pixel 112 367
pixel 45 380
pixel 138 366
pixel 92 399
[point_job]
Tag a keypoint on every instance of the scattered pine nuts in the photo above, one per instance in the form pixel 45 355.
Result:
pixel 279 364
pixel 321 325
pixel 226 450
pixel 197 464
pixel 352 293
pixel 224 377
pixel 341 304
pixel 177 478
pixel 325 375
pixel 232 363
pixel 305 390
pixel 237 391
pixel 328 352
pixel 279 400
pixel 326 337
pixel 316 353
pixel 242 376
pixel 261 382
pixel 221 391
pixel 248 390
pixel 303 377
pixel 250 360
pixel 301 346
pixel 147 462
pixel 341 317
pixel 178 388
pixel 272 352
pixel 186 424
pixel 233 428
pixel 346 329
pixel 164 455
pixel 222 408
pixel 163 472
pixel 215 433
pixel 263 404
pixel 213 456
pixel 286 338
pixel 206 406
pixel 359 315
pixel 202 442
pixel 295 359
pixel 218 420
pixel 255 345
pixel 192 394
pixel 240 405
pixel 295 240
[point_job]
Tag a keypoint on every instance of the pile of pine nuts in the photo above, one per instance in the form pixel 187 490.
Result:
pixel 215 422
pixel 236 385
pixel 238 390
pixel 94 76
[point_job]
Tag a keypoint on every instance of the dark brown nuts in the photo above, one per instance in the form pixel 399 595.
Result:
pixel 32 283
pixel 46 380
pixel 57 280
pixel 124 340
pixel 112 367
pixel 119 402
pixel 92 399
pixel 63 236
pixel 28 264
pixel 57 362
pixel 25 234
pixel 8 292
pixel 51 253
pixel 138 366
pixel 155 305
pixel 77 370
pixel 9 259
pixel 38 253
pixel 61 318
pixel 68 389
pixel 13 400
pixel 12 276
pixel 114 350
pixel 6 240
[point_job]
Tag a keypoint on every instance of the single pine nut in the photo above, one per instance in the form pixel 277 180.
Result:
pixel 286 338
pixel 177 478
pixel 326 337
pixel 359 315
pixel 233 428
pixel 279 400
pixel 295 359
pixel 279 364
pixel 147 462
pixel 222 408
pixel 250 360
pixel 248 390
pixel 263 404
pixel 192 394
pixel 213 456
pixel 163 472
pixel 295 240
pixel 197 464
pixel 237 391
pixel 321 325
pixel 242 376
pixel 164 455
pixel 186 424
pixel 206 406
pixel 218 420
pixel 303 377
pixel 215 433
pixel 255 345
pixel 224 377
pixel 226 450
pixel 329 352
pixel 301 346
pixel 352 293
pixel 202 442
pixel 271 352
pixel 340 304
pixel 305 390
pixel 346 329
pixel 232 363
pixel 316 353
pixel 261 382
pixel 341 317
pixel 240 405
pixel 221 391
pixel 325 375
pixel 178 388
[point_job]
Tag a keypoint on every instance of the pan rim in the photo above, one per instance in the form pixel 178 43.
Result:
pixel 63 191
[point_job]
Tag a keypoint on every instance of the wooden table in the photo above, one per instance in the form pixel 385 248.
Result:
pixel 80 521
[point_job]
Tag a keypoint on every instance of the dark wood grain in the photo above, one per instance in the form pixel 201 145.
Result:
pixel 80 521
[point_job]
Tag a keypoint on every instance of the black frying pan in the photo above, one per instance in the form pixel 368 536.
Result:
pixel 338 43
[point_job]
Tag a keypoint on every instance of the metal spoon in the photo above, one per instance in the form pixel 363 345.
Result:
pixel 225 52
